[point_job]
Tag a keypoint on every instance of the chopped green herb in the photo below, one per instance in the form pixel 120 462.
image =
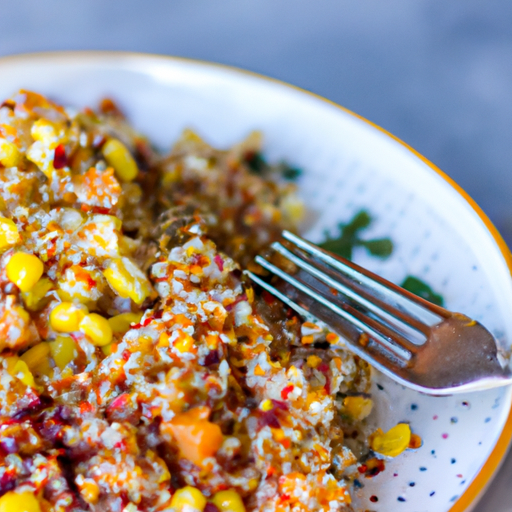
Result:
pixel 422 289
pixel 258 165
pixel 290 173
pixel 381 247
pixel 349 238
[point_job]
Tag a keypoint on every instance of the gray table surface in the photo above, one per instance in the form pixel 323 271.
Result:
pixel 437 74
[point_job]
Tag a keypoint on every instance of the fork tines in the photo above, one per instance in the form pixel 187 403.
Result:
pixel 378 321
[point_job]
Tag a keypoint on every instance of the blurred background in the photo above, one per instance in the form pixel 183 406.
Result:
pixel 436 74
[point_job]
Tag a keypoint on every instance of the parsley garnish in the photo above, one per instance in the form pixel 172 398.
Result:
pixel 349 238
pixel 422 289
pixel 258 165
pixel 289 173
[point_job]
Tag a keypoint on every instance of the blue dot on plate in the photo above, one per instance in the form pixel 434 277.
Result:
pixel 432 493
pixel 454 420
pixel 423 468
pixel 400 498
pixel 487 420
pixel 453 461
pixel 412 484
pixel 380 387
pixel 414 407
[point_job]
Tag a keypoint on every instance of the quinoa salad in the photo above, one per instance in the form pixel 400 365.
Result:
pixel 139 369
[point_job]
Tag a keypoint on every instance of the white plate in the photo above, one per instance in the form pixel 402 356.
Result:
pixel 439 233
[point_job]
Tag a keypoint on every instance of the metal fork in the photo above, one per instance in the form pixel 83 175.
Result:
pixel 418 344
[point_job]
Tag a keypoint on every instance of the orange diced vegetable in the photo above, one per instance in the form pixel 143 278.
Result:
pixel 196 437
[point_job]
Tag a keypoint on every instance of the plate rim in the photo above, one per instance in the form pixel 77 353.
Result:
pixel 469 498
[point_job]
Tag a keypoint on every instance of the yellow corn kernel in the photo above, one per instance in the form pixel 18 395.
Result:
pixel 66 317
pixel 97 329
pixel 127 280
pixel 9 234
pixel 228 501
pixel 63 351
pixel 13 501
pixel 393 442
pixel 117 155
pixel 266 405
pixel 358 407
pixel 10 155
pixel 185 343
pixel 34 298
pixel 314 361
pixel 188 497
pixel 24 270
pixel 37 356
pixel 44 131
pixel 121 323
pixel 19 369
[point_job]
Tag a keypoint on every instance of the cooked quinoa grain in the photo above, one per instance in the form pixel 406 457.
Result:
pixel 138 370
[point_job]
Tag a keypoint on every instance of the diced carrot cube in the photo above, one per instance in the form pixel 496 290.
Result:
pixel 196 437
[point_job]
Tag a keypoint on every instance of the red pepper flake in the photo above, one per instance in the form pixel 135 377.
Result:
pixel 86 407
pixel 284 497
pixel 210 507
pixel 120 402
pixel 146 322
pixel 286 391
pixel 60 159
pixel 101 210
pixel 121 446
pixel 219 261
